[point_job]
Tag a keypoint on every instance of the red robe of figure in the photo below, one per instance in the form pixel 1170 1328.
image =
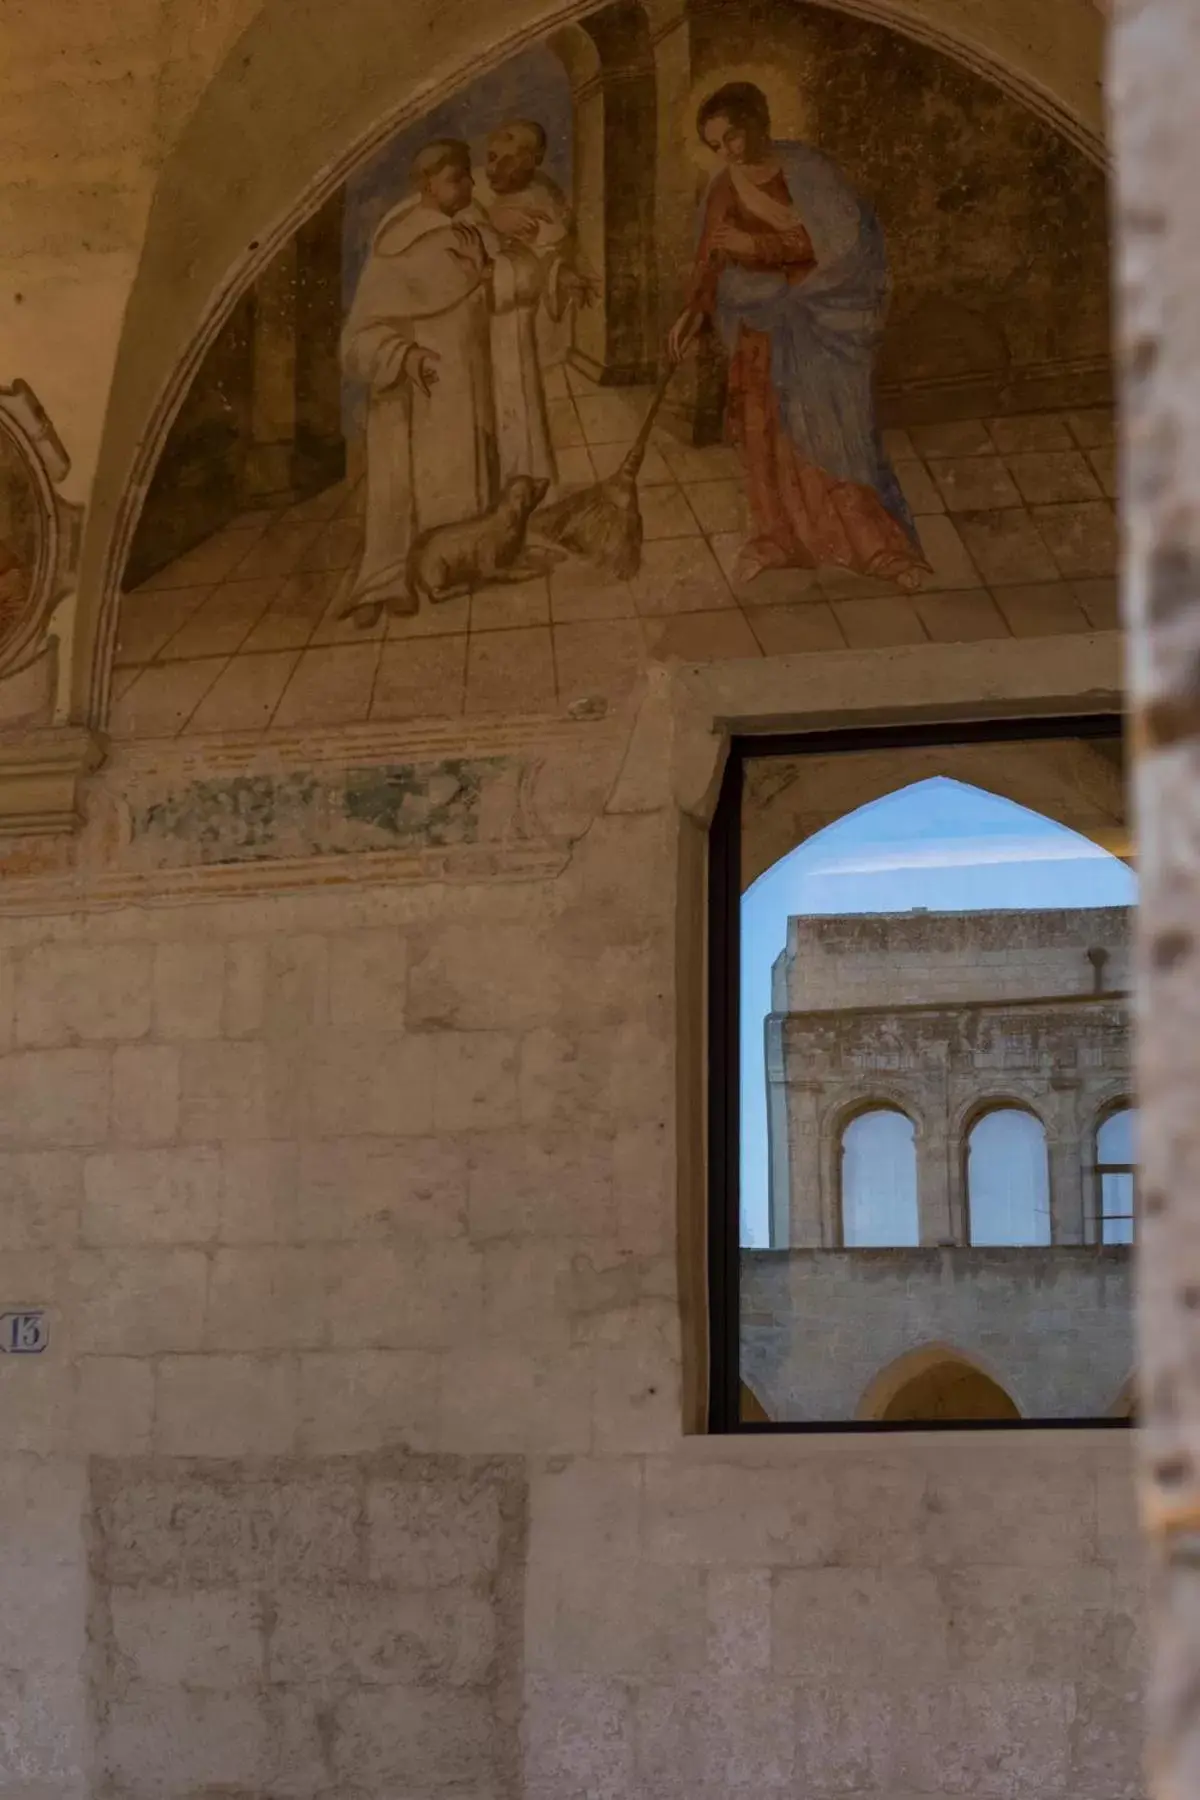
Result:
pixel 821 492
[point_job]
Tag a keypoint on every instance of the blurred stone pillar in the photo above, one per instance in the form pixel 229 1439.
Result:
pixel 1155 73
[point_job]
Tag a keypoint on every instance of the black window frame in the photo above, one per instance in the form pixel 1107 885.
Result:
pixel 724 1018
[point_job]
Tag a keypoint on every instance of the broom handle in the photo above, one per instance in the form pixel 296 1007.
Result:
pixel 632 460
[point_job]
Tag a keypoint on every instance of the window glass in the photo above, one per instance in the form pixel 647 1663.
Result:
pixel 933 946
pixel 1115 1163
pixel 879 1181
pixel 1008 1179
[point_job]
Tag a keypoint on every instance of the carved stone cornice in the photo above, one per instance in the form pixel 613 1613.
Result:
pixel 78 891
pixel 40 775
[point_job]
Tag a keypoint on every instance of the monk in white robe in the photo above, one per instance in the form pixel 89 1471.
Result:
pixel 419 337
pixel 534 298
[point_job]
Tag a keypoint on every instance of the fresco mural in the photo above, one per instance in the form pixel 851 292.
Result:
pixel 791 267
pixel 636 348
pixel 443 334
pixel 19 531
pixel 39 542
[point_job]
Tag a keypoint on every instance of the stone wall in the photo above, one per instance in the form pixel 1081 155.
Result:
pixel 359 1168
pixel 715 1619
pixel 811 1616
pixel 357 1195
pixel 1066 1062
pixel 287 1627
pixel 942 1015
pixel 927 958
pixel 1053 1327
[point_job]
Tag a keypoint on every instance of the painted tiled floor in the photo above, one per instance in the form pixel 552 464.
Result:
pixel 242 634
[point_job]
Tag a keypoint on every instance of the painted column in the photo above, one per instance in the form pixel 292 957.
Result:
pixel 268 461
pixel 295 437
pixel 613 91
pixel 678 181
pixel 320 446
pixel 699 390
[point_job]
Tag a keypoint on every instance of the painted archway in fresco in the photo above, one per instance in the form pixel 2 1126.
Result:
pixel 823 309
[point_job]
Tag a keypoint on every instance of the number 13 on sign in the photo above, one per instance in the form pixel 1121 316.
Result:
pixel 23 1333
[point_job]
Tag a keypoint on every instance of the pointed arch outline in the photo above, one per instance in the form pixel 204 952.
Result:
pixel 994 788
pixel 888 1383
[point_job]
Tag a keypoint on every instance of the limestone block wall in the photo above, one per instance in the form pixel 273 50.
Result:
pixel 288 1625
pixel 1053 1326
pixel 808 1616
pixel 814 1615
pixel 357 1463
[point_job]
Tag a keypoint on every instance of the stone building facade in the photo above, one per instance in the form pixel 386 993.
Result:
pixel 835 1334
pixel 943 1018
pixel 352 1091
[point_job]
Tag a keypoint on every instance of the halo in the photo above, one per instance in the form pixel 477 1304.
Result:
pixel 790 109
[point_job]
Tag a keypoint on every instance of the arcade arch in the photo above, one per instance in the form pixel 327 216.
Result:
pixel 935 1384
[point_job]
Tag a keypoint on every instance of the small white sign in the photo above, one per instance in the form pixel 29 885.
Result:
pixel 24 1333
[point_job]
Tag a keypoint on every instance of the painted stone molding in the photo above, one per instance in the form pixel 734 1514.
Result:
pixel 259 816
pixel 39 530
pixel 40 776
pixel 325 809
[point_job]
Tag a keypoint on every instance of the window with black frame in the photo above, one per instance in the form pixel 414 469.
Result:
pixel 921 1151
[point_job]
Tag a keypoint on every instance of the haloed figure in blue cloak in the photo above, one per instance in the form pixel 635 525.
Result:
pixel 791 270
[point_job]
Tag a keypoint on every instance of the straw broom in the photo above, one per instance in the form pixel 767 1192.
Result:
pixel 603 522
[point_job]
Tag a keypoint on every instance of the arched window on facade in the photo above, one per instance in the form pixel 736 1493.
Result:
pixel 1115 1172
pixel 879 1181
pixel 1008 1179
